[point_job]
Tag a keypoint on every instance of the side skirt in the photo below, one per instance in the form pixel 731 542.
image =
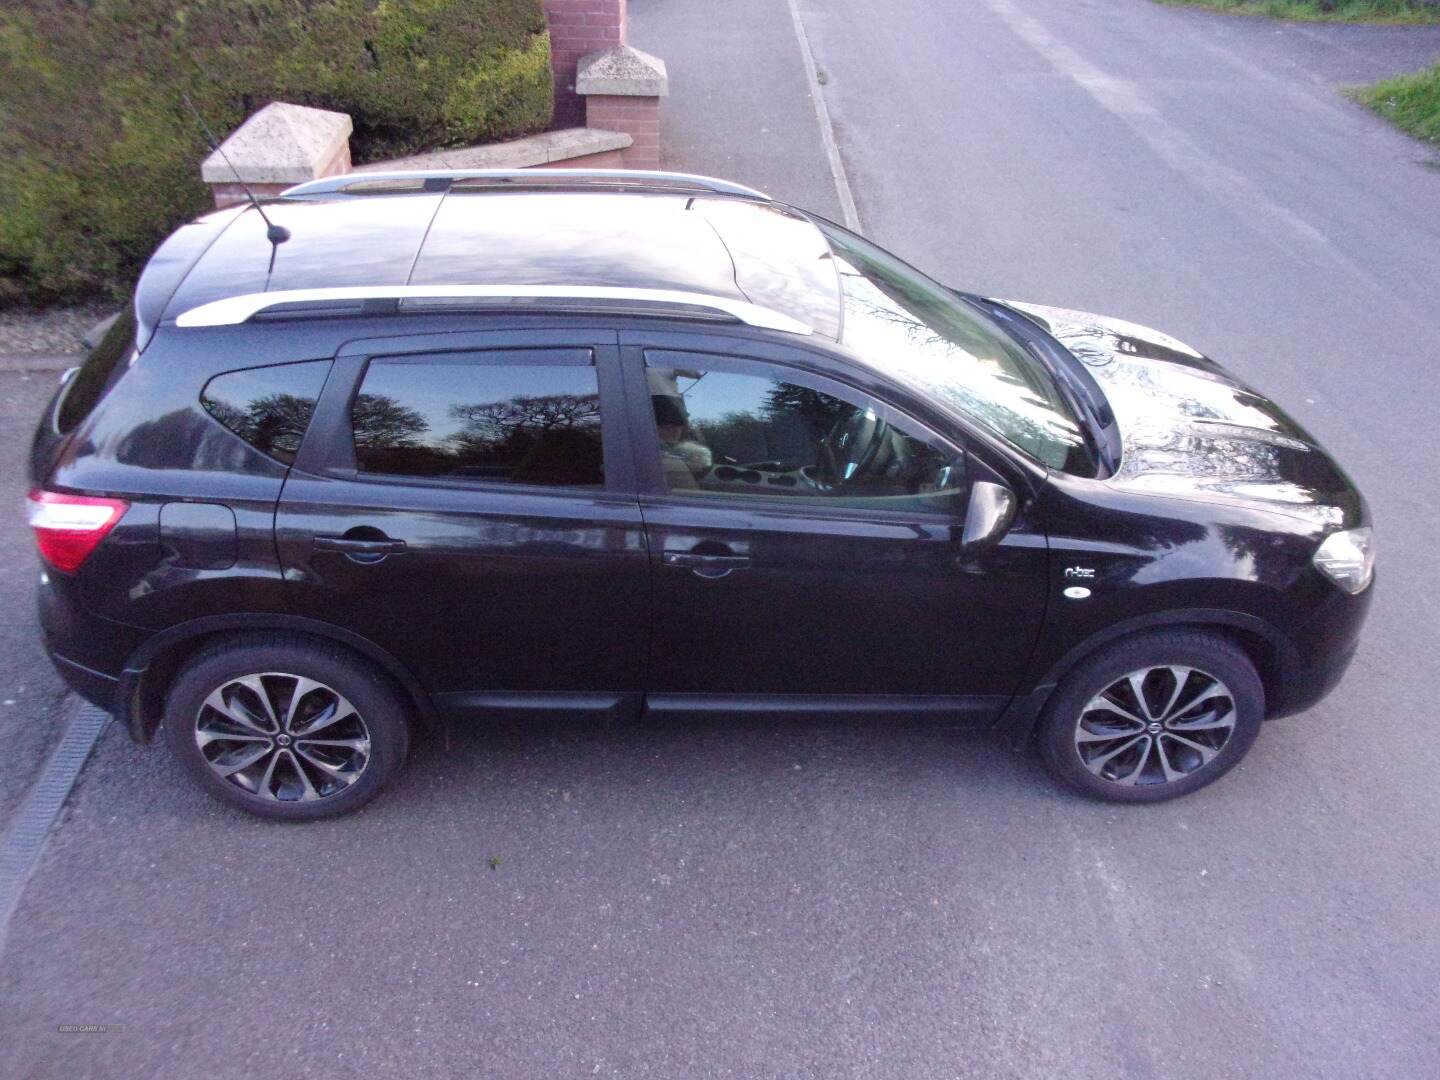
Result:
pixel 512 705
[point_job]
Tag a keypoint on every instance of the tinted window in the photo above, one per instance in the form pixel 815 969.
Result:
pixel 747 435
pixel 534 422
pixel 268 407
pixel 88 385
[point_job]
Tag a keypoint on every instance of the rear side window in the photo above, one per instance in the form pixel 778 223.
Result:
pixel 88 385
pixel 536 421
pixel 268 407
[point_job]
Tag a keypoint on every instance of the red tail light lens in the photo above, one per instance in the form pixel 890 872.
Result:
pixel 69 527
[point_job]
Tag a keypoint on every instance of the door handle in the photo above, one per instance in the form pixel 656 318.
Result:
pixel 360 549
pixel 706 566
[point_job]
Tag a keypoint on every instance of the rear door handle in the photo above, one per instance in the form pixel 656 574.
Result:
pixel 356 549
pixel 706 566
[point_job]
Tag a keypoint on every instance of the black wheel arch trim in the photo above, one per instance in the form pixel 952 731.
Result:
pixel 134 703
pixel 1017 723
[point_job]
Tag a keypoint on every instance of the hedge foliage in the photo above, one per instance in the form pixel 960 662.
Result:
pixel 1376 11
pixel 100 157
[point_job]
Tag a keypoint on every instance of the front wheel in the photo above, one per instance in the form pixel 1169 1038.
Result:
pixel 1153 717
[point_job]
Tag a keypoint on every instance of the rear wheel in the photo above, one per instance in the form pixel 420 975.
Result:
pixel 1154 717
pixel 293 730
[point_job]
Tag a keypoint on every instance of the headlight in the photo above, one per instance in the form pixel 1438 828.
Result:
pixel 1348 559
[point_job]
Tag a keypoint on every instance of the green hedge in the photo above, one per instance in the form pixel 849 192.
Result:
pixel 100 158
pixel 1377 11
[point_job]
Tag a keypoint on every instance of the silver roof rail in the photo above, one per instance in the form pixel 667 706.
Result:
pixel 441 180
pixel 238 309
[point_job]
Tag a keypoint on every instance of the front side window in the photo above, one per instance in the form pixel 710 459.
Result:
pixel 747 435
pixel 268 407
pixel 524 422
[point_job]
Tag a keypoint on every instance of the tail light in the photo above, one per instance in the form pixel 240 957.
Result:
pixel 69 527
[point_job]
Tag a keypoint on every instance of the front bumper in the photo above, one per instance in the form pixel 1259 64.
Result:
pixel 1325 645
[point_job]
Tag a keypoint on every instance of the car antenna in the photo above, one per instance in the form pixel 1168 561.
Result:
pixel 276 234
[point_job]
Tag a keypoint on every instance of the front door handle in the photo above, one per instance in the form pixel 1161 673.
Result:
pixel 707 566
pixel 360 549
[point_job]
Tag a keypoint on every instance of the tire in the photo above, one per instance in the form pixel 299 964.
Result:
pixel 334 748
pixel 1203 707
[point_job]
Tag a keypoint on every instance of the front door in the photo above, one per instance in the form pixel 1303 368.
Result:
pixel 805 547
pixel 466 506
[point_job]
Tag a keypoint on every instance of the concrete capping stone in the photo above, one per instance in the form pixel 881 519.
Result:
pixel 283 144
pixel 622 71
pixel 544 149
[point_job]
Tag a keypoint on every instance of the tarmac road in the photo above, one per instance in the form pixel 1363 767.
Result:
pixel 740 901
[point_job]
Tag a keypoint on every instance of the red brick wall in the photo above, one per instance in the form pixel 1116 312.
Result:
pixel 578 27
pixel 638 117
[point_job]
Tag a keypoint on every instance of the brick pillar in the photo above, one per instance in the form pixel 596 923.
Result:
pixel 278 147
pixel 622 88
pixel 577 28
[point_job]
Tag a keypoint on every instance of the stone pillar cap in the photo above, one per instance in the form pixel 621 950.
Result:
pixel 622 70
pixel 280 144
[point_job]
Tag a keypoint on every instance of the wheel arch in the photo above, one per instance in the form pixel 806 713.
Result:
pixel 1274 656
pixel 140 695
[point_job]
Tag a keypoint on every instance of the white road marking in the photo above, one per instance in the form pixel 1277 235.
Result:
pixel 1126 100
pixel 848 213
pixel 1120 96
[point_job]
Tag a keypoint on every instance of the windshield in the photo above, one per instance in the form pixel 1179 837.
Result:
pixel 922 333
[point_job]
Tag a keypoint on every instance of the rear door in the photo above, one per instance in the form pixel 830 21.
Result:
pixel 465 502
pixel 805 544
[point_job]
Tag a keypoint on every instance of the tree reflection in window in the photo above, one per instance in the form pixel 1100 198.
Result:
pixel 418 428
pixel 382 423
pixel 269 407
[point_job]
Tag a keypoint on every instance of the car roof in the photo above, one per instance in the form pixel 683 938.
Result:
pixel 743 249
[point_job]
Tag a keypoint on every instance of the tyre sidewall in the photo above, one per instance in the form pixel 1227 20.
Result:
pixel 370 693
pixel 1213 655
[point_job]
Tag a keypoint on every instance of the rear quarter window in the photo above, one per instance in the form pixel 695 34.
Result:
pixel 269 407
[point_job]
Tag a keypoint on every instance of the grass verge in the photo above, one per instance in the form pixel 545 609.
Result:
pixel 1366 11
pixel 1411 102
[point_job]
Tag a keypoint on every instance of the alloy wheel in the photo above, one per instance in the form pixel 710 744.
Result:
pixel 282 738
pixel 1155 725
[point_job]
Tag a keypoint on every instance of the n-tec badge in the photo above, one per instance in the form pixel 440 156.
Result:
pixel 1079 572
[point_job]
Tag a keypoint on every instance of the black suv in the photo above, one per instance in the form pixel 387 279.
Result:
pixel 408 449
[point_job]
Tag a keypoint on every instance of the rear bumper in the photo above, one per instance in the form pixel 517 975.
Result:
pixel 94 686
pixel 88 650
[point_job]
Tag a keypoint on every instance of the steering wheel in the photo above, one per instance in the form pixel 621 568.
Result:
pixel 852 445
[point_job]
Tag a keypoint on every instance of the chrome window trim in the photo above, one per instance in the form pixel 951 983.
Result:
pixel 541 179
pixel 235 310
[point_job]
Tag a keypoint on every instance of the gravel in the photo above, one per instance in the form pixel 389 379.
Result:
pixel 50 330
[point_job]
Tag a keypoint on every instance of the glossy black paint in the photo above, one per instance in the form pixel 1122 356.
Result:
pixel 829 600
pixel 482 600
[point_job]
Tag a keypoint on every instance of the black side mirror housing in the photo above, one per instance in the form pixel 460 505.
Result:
pixel 989 514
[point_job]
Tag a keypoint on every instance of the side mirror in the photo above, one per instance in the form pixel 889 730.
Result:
pixel 991 510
